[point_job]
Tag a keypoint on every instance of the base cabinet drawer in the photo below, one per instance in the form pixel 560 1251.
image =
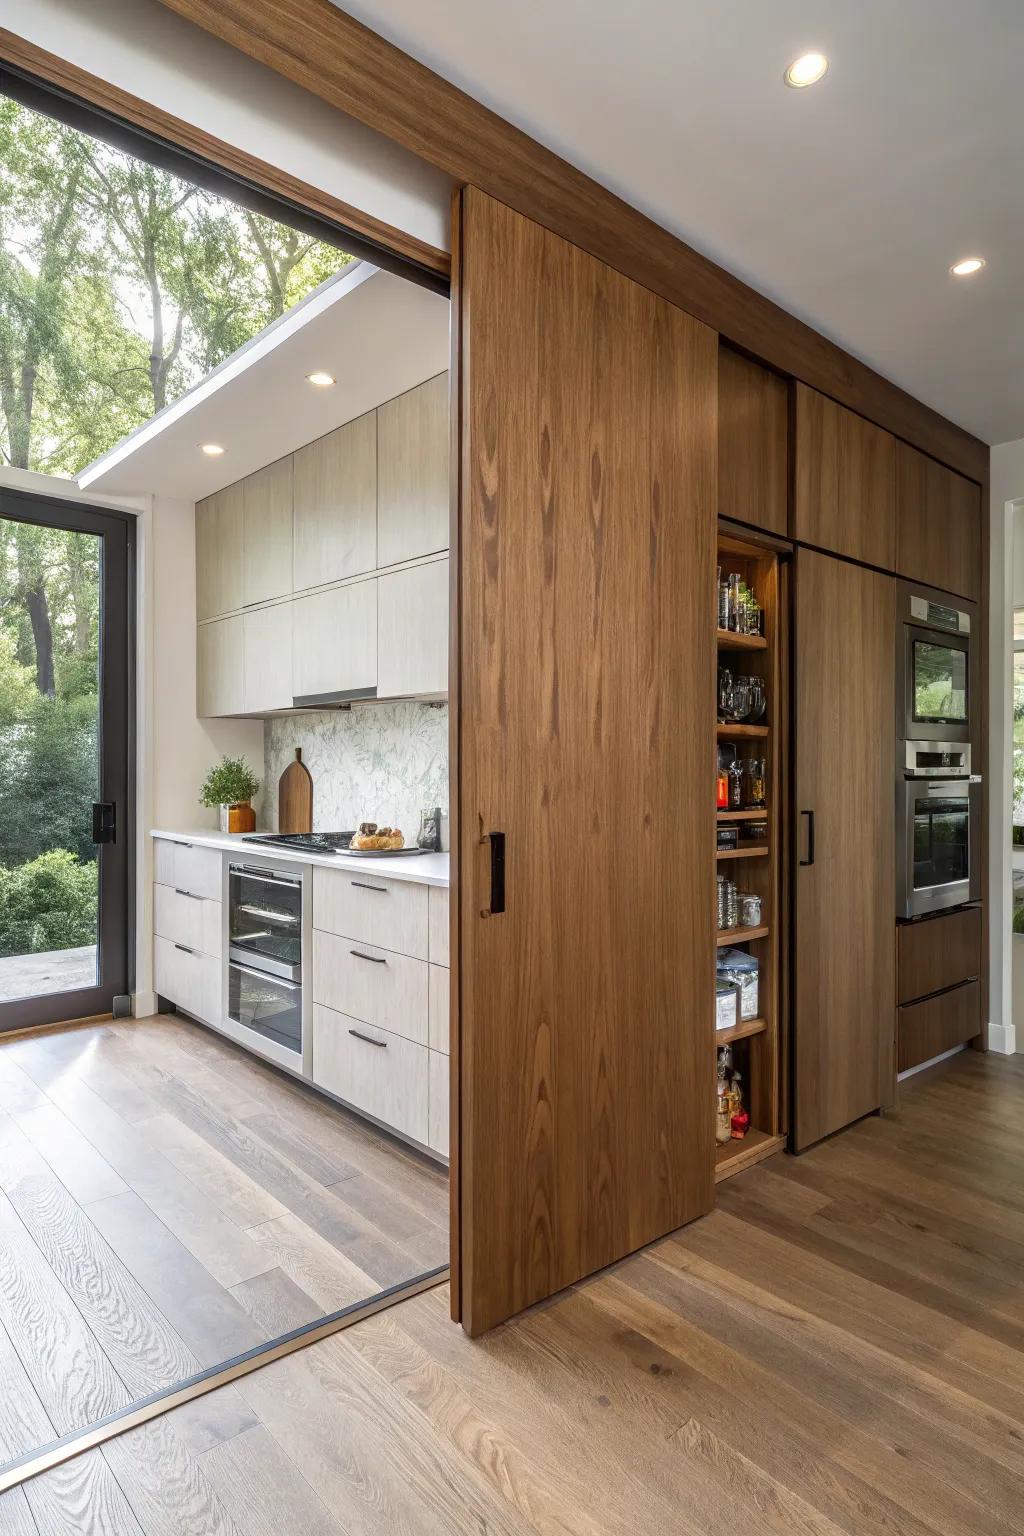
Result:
pixel 437 1136
pixel 373 1070
pixel 938 952
pixel 375 985
pixel 188 979
pixel 188 867
pixel 437 903
pixel 924 1030
pixel 439 1038
pixel 391 914
pixel 186 919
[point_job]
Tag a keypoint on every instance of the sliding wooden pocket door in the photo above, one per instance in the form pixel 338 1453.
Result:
pixel 584 657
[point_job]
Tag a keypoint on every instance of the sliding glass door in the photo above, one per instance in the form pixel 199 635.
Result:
pixel 66 845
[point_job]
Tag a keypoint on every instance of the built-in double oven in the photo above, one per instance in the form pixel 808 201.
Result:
pixel 267 939
pixel 938 798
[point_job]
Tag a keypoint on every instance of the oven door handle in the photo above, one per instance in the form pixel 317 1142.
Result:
pixel 249 871
pixel 279 981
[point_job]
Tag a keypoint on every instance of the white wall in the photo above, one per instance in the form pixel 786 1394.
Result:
pixel 1007 554
pixel 163 59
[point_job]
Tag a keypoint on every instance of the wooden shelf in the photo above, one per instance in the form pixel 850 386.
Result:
pixel 744 1031
pixel 740 935
pixel 733 1156
pixel 759 851
pixel 730 640
pixel 761 815
pixel 738 732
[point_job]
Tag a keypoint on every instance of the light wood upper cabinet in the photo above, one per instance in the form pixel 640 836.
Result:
pixel 412 631
pixel 412 473
pixel 267 538
pixel 753 443
pixel 938 525
pixel 335 496
pixel 219 553
pixel 844 493
pixel 334 639
pixel 220 686
pixel 267 666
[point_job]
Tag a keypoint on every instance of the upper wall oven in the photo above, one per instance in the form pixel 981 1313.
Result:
pixel 935 687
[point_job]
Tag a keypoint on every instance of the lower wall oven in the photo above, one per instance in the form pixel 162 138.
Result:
pixel 267 918
pixel 938 841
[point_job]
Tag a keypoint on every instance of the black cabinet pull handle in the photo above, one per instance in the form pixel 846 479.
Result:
pixel 497 842
pixel 806 863
pixel 375 959
pixel 190 894
pixel 185 949
pixel 381 890
pixel 381 1045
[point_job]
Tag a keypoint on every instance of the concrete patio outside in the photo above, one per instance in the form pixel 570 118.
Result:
pixel 54 970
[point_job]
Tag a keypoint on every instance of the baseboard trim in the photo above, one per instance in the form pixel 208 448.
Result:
pixel 1002 1038
pixel 933 1061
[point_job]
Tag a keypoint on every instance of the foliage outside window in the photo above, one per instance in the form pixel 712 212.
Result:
pixel 120 287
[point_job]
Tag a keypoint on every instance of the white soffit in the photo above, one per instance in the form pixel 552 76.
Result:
pixel 376 334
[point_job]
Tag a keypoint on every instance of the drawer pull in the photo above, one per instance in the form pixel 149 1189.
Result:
pixel 374 959
pixel 381 1045
pixel 190 894
pixel 185 949
pixel 381 890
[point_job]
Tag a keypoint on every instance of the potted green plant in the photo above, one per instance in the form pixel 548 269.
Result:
pixel 231 786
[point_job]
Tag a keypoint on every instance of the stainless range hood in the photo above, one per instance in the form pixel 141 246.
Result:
pixel 340 699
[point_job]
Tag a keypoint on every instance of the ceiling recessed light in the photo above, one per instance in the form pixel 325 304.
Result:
pixel 967 266
pixel 806 70
pixel 320 379
pixel 212 450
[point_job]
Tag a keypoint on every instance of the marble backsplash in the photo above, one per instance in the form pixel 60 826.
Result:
pixel 374 762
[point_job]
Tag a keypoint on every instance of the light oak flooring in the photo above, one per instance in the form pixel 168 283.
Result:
pixel 166 1202
pixel 837 1351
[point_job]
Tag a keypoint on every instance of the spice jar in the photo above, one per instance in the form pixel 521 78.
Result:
pixel 749 907
pixel 754 788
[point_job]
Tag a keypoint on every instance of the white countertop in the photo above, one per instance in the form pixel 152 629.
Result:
pixel 420 869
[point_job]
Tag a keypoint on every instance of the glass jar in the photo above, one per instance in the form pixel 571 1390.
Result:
pixel 754 786
pixel 749 907
pixel 758 699
pixel 740 698
pixel 735 600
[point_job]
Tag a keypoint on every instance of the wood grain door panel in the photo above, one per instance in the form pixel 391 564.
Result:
pixel 844 481
pixel 844 975
pixel 586 663
pixel 753 443
pixel 938 525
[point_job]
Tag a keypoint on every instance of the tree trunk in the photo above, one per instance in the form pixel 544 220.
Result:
pixel 42 634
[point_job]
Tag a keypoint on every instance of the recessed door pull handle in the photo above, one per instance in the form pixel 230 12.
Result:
pixel 381 1045
pixel 375 959
pixel 497 842
pixel 806 863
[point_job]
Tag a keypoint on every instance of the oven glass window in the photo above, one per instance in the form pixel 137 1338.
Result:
pixel 940 683
pixel 941 842
pixel 269 1005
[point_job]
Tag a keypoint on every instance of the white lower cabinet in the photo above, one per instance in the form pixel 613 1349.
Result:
pixel 193 921
pixel 188 867
pixel 439 1010
pixel 375 985
pixel 378 1072
pixel 187 978
pixel 365 907
pixel 438 1075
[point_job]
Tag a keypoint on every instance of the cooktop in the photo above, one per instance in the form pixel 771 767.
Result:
pixel 320 842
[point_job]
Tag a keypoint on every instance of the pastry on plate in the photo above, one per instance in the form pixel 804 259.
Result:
pixel 373 839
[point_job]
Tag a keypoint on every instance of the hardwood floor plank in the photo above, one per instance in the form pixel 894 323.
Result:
pixel 165 1484
pixel 237 1195
pixel 316 1266
pixel 24 1423
pixel 74 1160
pixel 275 1303
pixel 206 1317
pixel 221 1246
pixel 81 1498
pixel 210 1420
pixel 264 1489
pixel 15 1515
pixel 18 1092
pixel 70 1372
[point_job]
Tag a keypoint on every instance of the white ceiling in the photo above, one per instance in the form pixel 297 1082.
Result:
pixel 377 334
pixel 845 202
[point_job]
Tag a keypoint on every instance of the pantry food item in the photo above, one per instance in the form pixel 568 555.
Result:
pixel 373 839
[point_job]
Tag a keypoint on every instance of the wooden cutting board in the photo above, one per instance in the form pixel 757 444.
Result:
pixel 295 797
